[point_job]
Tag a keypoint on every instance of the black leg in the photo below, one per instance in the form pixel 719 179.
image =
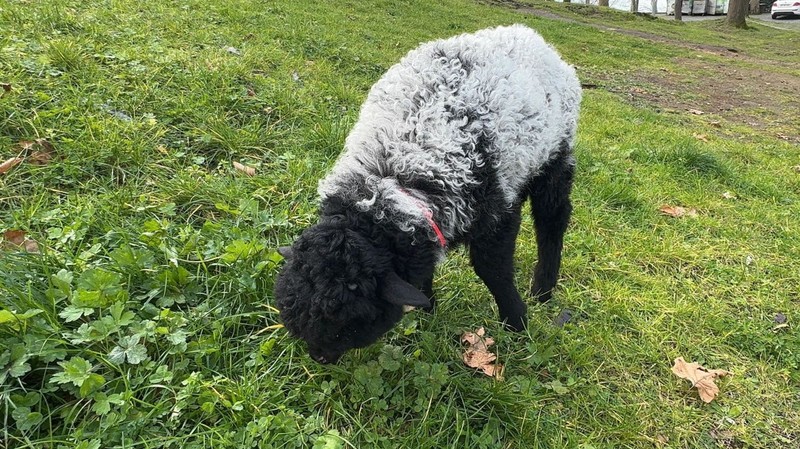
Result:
pixel 551 210
pixel 427 289
pixel 492 257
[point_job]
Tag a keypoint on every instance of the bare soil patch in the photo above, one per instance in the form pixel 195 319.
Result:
pixel 738 92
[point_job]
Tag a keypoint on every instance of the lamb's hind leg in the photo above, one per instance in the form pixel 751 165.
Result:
pixel 551 209
pixel 492 257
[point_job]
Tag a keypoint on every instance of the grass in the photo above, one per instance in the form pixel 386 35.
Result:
pixel 146 319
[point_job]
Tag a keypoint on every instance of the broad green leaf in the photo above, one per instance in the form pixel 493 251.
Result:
pixel 128 348
pixel 92 383
pixel 72 313
pixel 98 288
pixel 30 399
pixel 134 258
pixel 76 371
pixel 7 316
pixel 25 418
pixel 329 440
pixel 241 250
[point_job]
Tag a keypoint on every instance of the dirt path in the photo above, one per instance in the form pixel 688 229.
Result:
pixel 737 93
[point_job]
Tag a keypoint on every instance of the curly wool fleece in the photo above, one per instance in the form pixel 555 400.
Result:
pixel 500 98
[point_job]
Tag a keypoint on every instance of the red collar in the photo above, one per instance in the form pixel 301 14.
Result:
pixel 428 214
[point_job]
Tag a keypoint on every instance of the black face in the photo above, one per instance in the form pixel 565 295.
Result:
pixel 337 292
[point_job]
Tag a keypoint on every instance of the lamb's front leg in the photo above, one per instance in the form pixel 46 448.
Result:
pixel 493 259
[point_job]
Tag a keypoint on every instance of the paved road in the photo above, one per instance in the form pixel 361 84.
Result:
pixel 790 23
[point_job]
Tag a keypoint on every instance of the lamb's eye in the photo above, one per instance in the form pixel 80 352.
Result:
pixel 352 287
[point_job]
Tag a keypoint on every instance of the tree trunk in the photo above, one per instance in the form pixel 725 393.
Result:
pixel 602 3
pixel 634 5
pixel 737 13
pixel 754 7
pixel 654 6
pixel 678 10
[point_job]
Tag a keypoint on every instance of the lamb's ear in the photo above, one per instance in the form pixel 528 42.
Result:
pixel 286 251
pixel 400 292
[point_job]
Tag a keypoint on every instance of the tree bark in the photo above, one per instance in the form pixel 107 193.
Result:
pixel 678 10
pixel 602 3
pixel 634 5
pixel 654 6
pixel 737 13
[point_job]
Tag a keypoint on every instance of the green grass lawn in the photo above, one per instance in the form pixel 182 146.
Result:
pixel 145 320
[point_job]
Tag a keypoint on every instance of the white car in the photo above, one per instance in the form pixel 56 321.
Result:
pixel 785 8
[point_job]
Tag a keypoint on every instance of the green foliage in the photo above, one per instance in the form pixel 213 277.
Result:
pixel 146 320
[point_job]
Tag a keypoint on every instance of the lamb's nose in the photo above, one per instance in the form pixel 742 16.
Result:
pixel 321 359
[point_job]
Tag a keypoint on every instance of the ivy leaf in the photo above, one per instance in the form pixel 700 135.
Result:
pixel 76 371
pixel 130 349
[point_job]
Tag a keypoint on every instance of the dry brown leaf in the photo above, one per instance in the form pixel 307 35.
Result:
pixel 701 137
pixel 249 171
pixel 700 377
pixel 9 164
pixel 728 196
pixel 678 211
pixel 15 239
pixel 477 354
pixel 6 87
pixel 40 151
pixel 696 111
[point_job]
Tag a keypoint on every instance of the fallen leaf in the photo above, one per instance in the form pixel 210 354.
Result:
pixel 249 171
pixel 477 354
pixel 796 168
pixel 40 151
pixel 9 164
pixel 701 137
pixel 780 318
pixel 696 111
pixel 6 87
pixel 700 377
pixel 678 211
pixel 728 196
pixel 16 239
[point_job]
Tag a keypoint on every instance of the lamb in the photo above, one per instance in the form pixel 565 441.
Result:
pixel 449 144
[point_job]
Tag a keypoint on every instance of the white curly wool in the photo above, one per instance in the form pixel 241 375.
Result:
pixel 500 97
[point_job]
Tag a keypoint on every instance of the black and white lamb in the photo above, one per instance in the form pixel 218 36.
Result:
pixel 448 145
